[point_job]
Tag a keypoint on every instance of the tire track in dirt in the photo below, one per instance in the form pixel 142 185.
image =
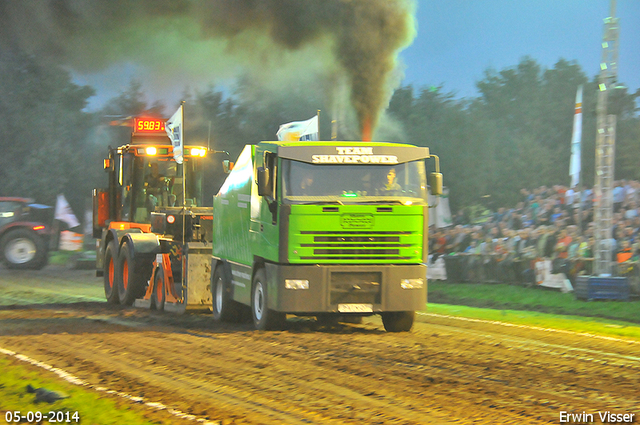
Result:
pixel 442 372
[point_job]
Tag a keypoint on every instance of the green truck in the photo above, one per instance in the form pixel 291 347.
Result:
pixel 324 229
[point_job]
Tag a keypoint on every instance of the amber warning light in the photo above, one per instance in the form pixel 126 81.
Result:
pixel 147 125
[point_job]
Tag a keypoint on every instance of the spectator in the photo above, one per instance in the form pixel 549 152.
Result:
pixel 618 196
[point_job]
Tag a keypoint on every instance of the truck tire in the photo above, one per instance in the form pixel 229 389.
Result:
pixel 158 295
pixel 263 318
pixel 110 273
pixel 23 249
pixel 398 321
pixel 130 279
pixel 223 307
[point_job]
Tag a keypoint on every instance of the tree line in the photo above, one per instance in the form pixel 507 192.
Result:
pixel 515 134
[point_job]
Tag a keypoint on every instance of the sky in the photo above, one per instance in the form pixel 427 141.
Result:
pixel 457 40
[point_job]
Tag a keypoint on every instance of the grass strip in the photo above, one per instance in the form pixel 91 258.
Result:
pixel 92 407
pixel 513 297
pixel 580 324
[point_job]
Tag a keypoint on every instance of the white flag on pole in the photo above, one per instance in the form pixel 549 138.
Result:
pixel 174 129
pixel 64 213
pixel 299 130
pixel 574 167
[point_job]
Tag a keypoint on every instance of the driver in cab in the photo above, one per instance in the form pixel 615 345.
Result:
pixel 391 187
pixel 156 185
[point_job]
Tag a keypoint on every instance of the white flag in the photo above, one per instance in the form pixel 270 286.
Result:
pixel 574 167
pixel 299 130
pixel 174 129
pixel 64 212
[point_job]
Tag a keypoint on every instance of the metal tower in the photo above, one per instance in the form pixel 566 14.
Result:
pixel 605 149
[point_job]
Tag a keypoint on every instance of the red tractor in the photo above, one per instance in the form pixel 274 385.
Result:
pixel 24 236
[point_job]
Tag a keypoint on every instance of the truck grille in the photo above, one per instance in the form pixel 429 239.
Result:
pixel 356 245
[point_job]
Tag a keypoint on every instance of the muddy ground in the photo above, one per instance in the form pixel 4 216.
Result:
pixel 445 371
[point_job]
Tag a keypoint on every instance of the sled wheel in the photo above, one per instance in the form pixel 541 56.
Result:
pixel 158 295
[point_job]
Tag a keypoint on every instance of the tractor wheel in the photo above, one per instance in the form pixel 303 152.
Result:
pixel 110 273
pixel 158 296
pixel 398 321
pixel 263 318
pixel 23 249
pixel 131 283
pixel 224 308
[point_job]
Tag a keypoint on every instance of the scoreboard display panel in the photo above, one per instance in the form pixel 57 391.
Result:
pixel 149 126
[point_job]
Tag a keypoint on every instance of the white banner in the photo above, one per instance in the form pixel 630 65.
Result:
pixel 175 131
pixel 70 241
pixel 64 213
pixel 299 130
pixel 440 216
pixel 574 167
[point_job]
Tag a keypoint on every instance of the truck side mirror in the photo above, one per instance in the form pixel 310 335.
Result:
pixel 227 166
pixel 435 181
pixel 262 180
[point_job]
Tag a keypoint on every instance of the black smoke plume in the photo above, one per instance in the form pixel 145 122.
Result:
pixel 363 36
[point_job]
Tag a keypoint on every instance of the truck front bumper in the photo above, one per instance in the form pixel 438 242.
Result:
pixel 347 288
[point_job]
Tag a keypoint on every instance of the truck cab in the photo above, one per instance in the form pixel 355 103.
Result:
pixel 323 228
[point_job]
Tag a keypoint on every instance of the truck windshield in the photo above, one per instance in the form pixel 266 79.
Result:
pixel 309 183
pixel 158 183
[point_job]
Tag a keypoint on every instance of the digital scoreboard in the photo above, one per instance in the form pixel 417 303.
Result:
pixel 149 126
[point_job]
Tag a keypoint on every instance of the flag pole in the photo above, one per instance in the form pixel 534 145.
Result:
pixel 576 154
pixel 184 185
pixel 184 201
pixel 319 125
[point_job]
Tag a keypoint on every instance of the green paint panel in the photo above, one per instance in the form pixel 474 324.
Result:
pixel 356 234
pixel 232 212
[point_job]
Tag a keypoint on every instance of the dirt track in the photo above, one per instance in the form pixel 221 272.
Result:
pixel 445 371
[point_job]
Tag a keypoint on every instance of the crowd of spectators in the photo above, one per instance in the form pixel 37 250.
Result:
pixel 554 223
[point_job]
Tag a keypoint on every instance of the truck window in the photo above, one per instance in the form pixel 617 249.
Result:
pixel 403 183
pixel 161 183
pixel 125 194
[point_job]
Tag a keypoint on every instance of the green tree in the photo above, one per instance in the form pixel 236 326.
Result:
pixel 44 130
pixel 517 133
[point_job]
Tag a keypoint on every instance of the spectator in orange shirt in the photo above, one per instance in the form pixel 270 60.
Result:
pixel 562 244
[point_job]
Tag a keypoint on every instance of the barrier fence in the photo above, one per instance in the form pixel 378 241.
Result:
pixel 497 268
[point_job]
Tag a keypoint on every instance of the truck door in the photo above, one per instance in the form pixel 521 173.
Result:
pixel 264 218
pixel 124 192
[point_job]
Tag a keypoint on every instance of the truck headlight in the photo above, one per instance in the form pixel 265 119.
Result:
pixel 412 283
pixel 296 284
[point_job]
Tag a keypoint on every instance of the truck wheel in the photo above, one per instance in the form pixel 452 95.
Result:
pixel 263 318
pixel 224 308
pixel 398 321
pixel 110 273
pixel 158 295
pixel 23 249
pixel 130 280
